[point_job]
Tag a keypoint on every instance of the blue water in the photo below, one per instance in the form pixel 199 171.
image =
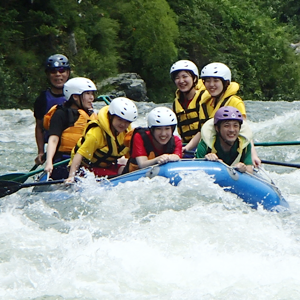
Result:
pixel 148 239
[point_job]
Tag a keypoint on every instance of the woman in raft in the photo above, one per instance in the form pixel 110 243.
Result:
pixel 185 75
pixel 102 143
pixel 66 123
pixel 156 144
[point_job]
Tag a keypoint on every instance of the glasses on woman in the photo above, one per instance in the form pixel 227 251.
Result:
pixel 59 70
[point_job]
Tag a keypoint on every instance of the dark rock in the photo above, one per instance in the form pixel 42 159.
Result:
pixel 129 85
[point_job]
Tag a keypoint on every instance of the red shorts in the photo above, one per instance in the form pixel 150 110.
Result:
pixel 112 170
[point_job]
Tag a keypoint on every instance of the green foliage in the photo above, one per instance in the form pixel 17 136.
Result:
pixel 31 32
pixel 103 38
pixel 148 31
pixel 247 37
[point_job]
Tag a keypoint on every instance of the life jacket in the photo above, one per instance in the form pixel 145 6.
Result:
pixel 229 99
pixel 209 135
pixel 73 133
pixel 188 119
pixel 51 100
pixel 113 147
pixel 132 164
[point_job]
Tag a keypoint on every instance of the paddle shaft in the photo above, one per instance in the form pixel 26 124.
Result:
pixel 286 143
pixel 25 176
pixel 30 184
pixel 268 162
pixel 278 163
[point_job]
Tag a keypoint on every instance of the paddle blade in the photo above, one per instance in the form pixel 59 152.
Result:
pixel 9 187
pixel 18 177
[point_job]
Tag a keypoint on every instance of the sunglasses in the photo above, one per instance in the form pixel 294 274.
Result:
pixel 60 70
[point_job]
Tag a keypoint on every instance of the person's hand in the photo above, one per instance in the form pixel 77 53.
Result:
pixel 184 148
pixel 39 160
pixel 48 167
pixel 162 159
pixel 241 167
pixel 173 157
pixel 256 161
pixel 212 157
pixel 70 180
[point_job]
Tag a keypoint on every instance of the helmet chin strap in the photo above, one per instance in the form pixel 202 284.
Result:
pixel 81 105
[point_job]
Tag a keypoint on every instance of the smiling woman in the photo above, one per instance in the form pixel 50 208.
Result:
pixel 102 143
pixel 155 144
pixel 186 106
pixel 66 123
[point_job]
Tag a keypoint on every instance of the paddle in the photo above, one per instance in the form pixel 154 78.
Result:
pixel 278 163
pixel 13 176
pixel 10 187
pixel 22 177
pixel 286 143
pixel 104 98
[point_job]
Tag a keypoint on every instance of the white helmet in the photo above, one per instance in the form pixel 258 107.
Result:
pixel 216 70
pixel 161 116
pixel 123 108
pixel 185 65
pixel 78 85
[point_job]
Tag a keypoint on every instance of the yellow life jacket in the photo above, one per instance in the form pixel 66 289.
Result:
pixel 73 133
pixel 113 147
pixel 188 119
pixel 229 99
pixel 209 135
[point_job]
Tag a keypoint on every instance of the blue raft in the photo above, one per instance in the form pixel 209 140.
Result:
pixel 251 189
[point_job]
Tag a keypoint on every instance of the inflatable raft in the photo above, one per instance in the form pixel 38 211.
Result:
pixel 251 189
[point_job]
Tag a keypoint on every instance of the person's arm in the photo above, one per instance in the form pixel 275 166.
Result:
pixel 255 159
pixel 246 165
pixel 51 150
pixel 39 108
pixel 192 144
pixel 39 138
pixel 201 150
pixel 144 162
pixel 76 162
pixel 178 146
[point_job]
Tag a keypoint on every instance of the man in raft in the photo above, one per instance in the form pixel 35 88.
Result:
pixel 228 138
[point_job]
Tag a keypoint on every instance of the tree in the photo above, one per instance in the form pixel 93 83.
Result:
pixel 148 32
pixel 245 37
pixel 33 30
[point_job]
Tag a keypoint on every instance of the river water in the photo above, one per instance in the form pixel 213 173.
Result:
pixel 148 239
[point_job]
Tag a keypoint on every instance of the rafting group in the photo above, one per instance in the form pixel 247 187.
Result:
pixel 210 120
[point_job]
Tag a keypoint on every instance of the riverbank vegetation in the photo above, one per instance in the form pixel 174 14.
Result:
pixel 104 38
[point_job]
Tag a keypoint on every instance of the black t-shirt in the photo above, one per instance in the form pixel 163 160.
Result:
pixel 62 119
pixel 41 105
